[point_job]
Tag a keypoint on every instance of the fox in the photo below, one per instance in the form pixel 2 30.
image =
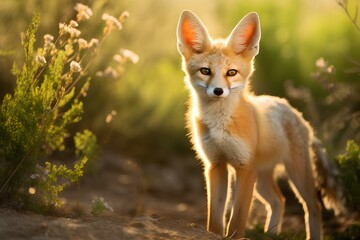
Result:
pixel 241 137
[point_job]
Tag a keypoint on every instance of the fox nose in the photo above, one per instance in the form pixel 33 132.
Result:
pixel 218 91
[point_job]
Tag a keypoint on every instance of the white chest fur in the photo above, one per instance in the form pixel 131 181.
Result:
pixel 218 144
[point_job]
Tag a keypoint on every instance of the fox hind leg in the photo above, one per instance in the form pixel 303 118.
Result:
pixel 268 192
pixel 217 186
pixel 302 182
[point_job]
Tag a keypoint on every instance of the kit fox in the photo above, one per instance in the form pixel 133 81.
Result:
pixel 240 136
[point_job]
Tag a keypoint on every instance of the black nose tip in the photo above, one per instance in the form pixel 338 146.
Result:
pixel 218 91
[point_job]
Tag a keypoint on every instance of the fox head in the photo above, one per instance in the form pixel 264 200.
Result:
pixel 217 69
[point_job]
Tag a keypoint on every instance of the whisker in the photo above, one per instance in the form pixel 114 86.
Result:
pixel 235 91
pixel 201 89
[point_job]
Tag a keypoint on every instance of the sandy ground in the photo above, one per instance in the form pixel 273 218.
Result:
pixel 158 201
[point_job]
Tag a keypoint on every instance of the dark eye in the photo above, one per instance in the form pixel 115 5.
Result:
pixel 205 71
pixel 231 72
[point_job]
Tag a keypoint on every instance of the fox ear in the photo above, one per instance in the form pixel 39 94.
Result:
pixel 192 35
pixel 245 37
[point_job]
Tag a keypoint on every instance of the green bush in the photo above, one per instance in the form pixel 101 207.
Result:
pixel 35 119
pixel 98 206
pixel 349 165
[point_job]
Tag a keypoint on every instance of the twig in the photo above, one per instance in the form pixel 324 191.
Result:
pixel 353 19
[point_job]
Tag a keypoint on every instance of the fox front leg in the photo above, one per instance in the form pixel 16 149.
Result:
pixel 243 192
pixel 217 184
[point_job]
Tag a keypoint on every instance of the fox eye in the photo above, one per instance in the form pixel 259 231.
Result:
pixel 231 72
pixel 205 71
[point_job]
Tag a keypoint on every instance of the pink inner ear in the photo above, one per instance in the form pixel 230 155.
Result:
pixel 188 32
pixel 248 34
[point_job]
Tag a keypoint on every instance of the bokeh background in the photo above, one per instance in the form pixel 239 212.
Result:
pixel 148 100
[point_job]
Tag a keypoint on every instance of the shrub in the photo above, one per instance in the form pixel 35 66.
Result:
pixel 349 165
pixel 99 206
pixel 35 119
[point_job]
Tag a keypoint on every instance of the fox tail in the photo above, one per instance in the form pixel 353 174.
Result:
pixel 328 179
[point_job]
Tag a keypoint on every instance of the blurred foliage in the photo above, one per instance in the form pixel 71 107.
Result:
pixel 99 205
pixel 257 233
pixel 349 165
pixel 86 145
pixel 146 103
pixel 350 233
pixel 54 178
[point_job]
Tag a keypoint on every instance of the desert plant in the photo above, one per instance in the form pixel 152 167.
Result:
pixel 349 165
pixel 35 119
pixel 99 206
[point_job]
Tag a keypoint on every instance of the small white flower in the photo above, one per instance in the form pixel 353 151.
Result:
pixel 93 43
pixel 99 74
pixel 125 15
pixel 111 21
pixel 107 206
pixel 118 58
pixel 320 63
pixel 75 66
pixel 48 42
pixel 83 44
pixel 53 51
pixel 73 24
pixel 40 59
pixel 63 28
pixel 110 72
pixel 130 55
pixel 74 32
pixel 69 49
pixel 32 190
pixel 34 176
pixel 84 12
pixel 110 116
pixel 330 69
pixel 48 38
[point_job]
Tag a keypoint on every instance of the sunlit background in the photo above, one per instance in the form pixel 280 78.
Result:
pixel 140 112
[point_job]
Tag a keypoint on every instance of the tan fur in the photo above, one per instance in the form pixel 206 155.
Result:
pixel 236 130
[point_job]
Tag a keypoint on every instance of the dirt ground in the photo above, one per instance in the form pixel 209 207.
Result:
pixel 158 201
